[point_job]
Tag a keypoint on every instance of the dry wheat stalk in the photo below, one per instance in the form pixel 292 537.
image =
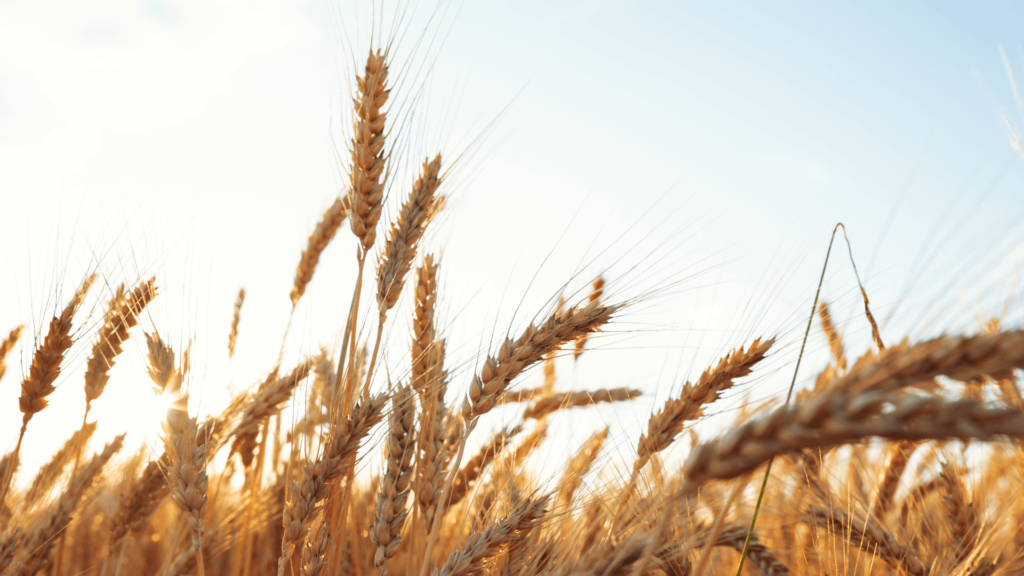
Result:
pixel 596 293
pixel 37 548
pixel 337 452
pixel 6 346
pixel 548 404
pixel 866 534
pixel 400 247
pixel 266 403
pixel 122 316
pixel 233 336
pixel 390 511
pixel 580 465
pixel 479 547
pixel 51 471
pixel 318 241
pixel 366 190
pixel 532 345
pixel 186 453
pixel 668 422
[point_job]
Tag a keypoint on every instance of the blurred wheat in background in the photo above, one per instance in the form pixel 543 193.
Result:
pixel 393 450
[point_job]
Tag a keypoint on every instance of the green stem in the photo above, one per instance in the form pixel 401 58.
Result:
pixel 768 470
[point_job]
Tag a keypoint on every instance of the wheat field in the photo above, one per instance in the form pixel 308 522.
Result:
pixel 905 460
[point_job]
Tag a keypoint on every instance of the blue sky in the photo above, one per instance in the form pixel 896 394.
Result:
pixel 197 141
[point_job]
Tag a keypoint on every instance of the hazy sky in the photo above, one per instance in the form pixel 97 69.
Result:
pixel 714 143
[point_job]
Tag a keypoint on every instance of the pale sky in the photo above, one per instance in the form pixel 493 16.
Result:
pixel 714 143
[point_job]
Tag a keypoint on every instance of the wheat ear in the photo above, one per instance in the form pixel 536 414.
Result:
pixel 596 293
pixel 337 453
pixel 233 336
pixel 186 452
pixel 400 247
pixel 665 424
pixel 468 474
pixel 867 534
pixel 314 551
pixel 166 377
pixel 367 151
pixel 122 316
pixel 42 541
pixel 833 420
pixel 6 346
pixel 766 562
pixel 318 241
pixel 51 471
pixel 835 341
pixel 580 465
pixel 44 371
pixel 548 404
pixel 532 345
pixel 136 506
pixel 266 403
pixel 471 558
pixel 390 511
pixel 900 455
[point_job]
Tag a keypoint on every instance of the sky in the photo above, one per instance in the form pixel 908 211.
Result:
pixel 697 154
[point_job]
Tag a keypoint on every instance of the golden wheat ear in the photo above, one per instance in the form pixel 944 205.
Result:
pixel 122 315
pixel 185 468
pixel 399 448
pixel 6 346
pixel 366 189
pixel 233 336
pixel 667 423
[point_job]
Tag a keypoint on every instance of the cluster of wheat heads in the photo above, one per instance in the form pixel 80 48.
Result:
pixel 889 465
